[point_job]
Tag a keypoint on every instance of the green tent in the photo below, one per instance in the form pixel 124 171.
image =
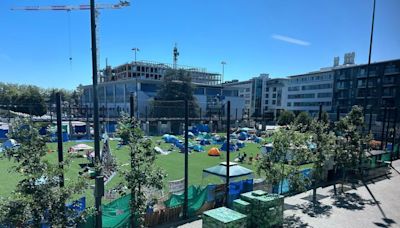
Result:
pixel 197 196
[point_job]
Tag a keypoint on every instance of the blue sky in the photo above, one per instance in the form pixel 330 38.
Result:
pixel 279 37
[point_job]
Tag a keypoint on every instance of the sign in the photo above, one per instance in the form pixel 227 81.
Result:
pixel 177 186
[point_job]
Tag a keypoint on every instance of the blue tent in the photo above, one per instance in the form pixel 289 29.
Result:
pixel 80 129
pixel 43 131
pixel 10 144
pixel 243 136
pixel 179 144
pixel 240 144
pixel 232 147
pixel 194 130
pixel 203 128
pixel 171 139
pixel 3 133
pixel 198 148
pixel 205 142
pixel 258 140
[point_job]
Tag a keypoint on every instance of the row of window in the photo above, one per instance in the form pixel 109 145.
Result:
pixel 296 104
pixel 310 78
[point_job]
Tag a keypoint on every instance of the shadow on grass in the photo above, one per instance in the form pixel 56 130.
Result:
pixel 294 221
pixel 351 201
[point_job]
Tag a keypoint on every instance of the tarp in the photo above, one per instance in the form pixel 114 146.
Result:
pixel 3 133
pixel 197 196
pixel 171 139
pixel 214 152
pixel 258 140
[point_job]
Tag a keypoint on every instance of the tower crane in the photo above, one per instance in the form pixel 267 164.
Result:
pixel 68 8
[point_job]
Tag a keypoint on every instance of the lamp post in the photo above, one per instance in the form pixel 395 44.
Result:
pixel 223 70
pixel 136 82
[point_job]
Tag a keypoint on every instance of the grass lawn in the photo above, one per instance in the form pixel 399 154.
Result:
pixel 172 163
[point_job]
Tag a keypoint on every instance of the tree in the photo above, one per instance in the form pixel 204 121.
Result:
pixel 289 152
pixel 349 151
pixel 169 101
pixel 38 196
pixel 324 142
pixel 143 173
pixel 302 121
pixel 286 117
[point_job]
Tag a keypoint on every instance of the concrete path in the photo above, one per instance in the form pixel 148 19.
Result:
pixel 375 204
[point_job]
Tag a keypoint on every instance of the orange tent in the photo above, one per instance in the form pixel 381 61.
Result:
pixel 214 152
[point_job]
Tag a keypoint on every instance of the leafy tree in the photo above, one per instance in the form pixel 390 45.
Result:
pixel 286 117
pixel 22 98
pixel 37 196
pixel 303 118
pixel 324 142
pixel 349 151
pixel 143 173
pixel 169 101
pixel 325 117
pixel 289 152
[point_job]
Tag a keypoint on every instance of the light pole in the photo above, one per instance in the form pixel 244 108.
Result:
pixel 136 81
pixel 223 70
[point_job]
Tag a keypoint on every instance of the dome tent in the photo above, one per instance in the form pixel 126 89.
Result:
pixel 198 148
pixel 240 144
pixel 214 152
pixel 10 144
pixel 243 135
pixel 232 147
pixel 205 142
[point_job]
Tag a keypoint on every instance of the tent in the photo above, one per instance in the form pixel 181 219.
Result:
pixel 233 136
pixel 80 148
pixel 232 147
pixel 214 152
pixel 235 171
pixel 240 144
pixel 243 135
pixel 203 128
pixel 205 142
pixel 171 139
pixel 198 148
pixel 267 148
pixel 10 144
pixel 190 135
pixel 258 140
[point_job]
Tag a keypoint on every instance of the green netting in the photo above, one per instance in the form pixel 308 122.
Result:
pixel 115 214
pixel 197 196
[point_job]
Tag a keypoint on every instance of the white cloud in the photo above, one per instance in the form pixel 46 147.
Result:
pixel 290 40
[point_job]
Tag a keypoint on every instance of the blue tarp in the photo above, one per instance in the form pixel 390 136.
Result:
pixel 171 139
pixel 43 131
pixel 283 186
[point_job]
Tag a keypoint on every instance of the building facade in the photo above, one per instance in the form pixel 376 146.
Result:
pixel 383 92
pixel 115 89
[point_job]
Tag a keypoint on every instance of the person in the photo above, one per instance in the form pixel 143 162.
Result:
pixel 257 157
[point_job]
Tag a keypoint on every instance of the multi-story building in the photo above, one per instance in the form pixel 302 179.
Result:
pixel 118 84
pixel 274 97
pixel 350 88
pixel 156 71
pixel 305 92
pixel 245 91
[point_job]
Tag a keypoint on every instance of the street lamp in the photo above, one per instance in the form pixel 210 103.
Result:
pixel 223 69
pixel 136 81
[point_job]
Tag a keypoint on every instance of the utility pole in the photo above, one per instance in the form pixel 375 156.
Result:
pixel 137 84
pixel 99 183
pixel 368 67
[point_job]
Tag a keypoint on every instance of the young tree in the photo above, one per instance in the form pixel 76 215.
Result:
pixel 349 151
pixel 323 142
pixel 38 196
pixel 286 117
pixel 143 173
pixel 303 118
pixel 289 152
pixel 169 101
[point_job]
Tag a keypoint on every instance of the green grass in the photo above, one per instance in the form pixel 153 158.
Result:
pixel 173 164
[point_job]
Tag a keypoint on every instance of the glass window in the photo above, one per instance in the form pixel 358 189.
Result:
pixel 199 91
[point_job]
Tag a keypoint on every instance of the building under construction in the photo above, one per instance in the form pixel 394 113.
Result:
pixel 156 71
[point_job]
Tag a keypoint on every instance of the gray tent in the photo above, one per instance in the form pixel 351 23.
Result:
pixel 235 171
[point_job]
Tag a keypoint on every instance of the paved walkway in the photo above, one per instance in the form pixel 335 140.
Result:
pixel 375 204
